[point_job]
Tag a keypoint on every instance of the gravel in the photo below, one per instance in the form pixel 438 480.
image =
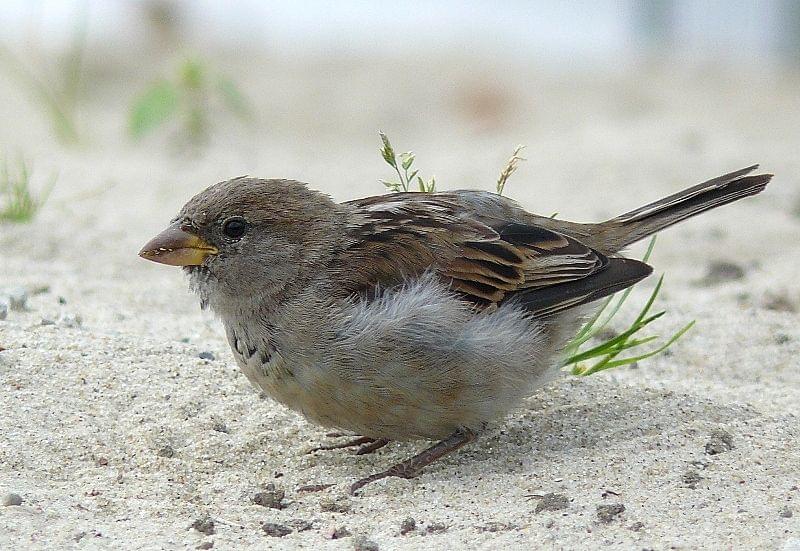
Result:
pixel 361 543
pixel 275 530
pixel 11 500
pixel 407 525
pixel 205 526
pixel 607 513
pixel 720 441
pixel 551 502
pixel 271 497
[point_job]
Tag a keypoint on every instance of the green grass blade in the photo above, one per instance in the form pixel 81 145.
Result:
pixel 234 99
pixel 18 203
pixel 611 344
pixel 153 108
pixel 675 337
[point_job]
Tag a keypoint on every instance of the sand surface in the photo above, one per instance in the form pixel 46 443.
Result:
pixel 117 435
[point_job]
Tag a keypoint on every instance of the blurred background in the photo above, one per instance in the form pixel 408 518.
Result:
pixel 149 101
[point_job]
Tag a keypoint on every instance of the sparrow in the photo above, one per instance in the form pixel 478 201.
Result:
pixel 409 315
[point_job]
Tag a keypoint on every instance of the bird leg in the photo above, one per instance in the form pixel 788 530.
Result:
pixel 411 467
pixel 366 444
pixel 370 447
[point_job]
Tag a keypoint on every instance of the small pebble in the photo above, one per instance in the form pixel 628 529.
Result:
pixel 271 497
pixel 204 526
pixel 363 544
pixel 330 505
pixel 340 532
pixel 219 426
pixel 691 479
pixel 721 272
pixel 606 334
pixel 205 545
pixel 436 528
pixel 12 499
pixel 780 303
pixel 408 525
pixel 17 298
pixel 70 320
pixel 48 321
pixel 552 502
pixel 276 530
pixel 166 451
pixel 637 526
pixel 719 442
pixel 206 356
pixel 786 512
pixel 607 513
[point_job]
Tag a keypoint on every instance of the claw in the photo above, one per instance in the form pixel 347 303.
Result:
pixel 412 467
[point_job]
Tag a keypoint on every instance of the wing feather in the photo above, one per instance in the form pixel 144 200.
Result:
pixel 486 260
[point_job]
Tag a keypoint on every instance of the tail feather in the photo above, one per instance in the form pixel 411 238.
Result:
pixel 649 219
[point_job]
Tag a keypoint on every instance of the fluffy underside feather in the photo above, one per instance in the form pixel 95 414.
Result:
pixel 415 362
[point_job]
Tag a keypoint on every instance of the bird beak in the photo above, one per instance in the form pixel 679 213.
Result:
pixel 177 247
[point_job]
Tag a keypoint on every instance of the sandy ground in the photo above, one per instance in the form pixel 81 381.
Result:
pixel 117 435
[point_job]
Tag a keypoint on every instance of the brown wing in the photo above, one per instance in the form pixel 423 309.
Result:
pixel 486 261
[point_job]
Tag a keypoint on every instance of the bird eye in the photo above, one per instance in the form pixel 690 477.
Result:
pixel 234 227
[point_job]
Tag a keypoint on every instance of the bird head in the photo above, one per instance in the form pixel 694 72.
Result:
pixel 247 238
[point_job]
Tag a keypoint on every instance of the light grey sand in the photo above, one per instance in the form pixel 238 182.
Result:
pixel 115 434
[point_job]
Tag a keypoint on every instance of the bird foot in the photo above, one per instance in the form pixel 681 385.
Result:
pixel 365 444
pixel 412 467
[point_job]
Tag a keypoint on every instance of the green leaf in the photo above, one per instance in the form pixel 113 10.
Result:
pixel 407 159
pixel 153 108
pixel 393 186
pixel 192 74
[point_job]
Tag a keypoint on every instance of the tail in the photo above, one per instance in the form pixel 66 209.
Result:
pixel 649 219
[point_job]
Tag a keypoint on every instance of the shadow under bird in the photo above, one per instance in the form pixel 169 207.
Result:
pixel 409 315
